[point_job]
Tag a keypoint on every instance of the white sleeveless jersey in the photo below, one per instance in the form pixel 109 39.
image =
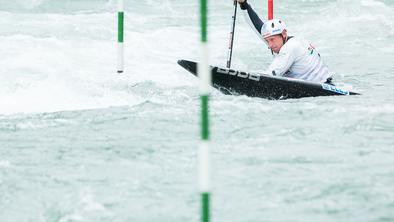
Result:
pixel 296 59
pixel 299 59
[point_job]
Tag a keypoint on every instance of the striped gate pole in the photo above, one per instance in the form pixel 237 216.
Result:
pixel 270 9
pixel 204 73
pixel 120 35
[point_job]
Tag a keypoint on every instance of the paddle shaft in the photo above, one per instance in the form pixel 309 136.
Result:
pixel 231 36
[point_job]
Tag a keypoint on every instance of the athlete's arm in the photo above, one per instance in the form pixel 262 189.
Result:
pixel 251 17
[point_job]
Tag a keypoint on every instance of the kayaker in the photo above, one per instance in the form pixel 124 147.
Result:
pixel 293 57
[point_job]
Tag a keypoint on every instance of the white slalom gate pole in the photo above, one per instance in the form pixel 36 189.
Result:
pixel 204 73
pixel 120 35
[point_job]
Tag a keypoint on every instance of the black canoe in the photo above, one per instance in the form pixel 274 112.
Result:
pixel 232 82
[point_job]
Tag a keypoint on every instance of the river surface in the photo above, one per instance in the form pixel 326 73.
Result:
pixel 79 142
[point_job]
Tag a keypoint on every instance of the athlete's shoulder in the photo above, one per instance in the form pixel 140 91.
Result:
pixel 295 42
pixel 291 44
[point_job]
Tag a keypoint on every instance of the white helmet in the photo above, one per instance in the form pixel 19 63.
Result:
pixel 272 27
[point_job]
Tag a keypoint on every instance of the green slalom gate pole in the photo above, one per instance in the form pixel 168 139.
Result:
pixel 204 73
pixel 120 35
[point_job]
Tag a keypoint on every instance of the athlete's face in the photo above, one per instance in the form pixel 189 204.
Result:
pixel 276 42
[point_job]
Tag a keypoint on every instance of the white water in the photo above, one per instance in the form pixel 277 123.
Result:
pixel 79 142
